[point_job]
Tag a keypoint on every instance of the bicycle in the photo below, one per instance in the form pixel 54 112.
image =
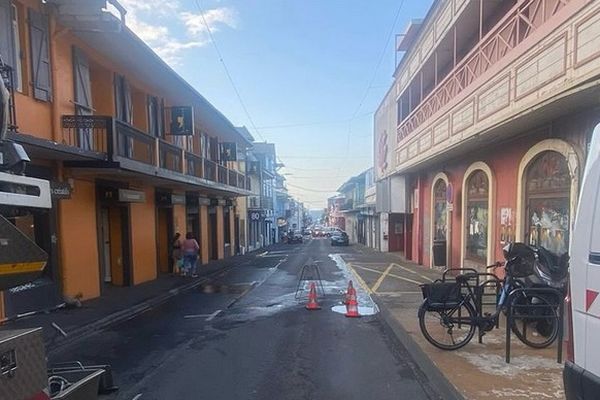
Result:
pixel 451 311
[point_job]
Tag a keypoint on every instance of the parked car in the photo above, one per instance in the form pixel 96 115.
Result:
pixel 339 238
pixel 295 237
pixel 582 369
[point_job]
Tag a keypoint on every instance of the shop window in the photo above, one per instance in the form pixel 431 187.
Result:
pixel 548 187
pixel 440 227
pixel 477 216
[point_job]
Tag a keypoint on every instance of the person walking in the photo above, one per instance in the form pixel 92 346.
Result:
pixel 190 250
pixel 176 254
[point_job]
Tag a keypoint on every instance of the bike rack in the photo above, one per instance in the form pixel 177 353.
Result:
pixel 479 291
pixel 510 316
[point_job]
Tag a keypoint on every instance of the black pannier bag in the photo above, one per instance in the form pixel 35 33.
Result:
pixel 441 295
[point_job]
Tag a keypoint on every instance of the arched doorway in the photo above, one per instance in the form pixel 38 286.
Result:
pixel 547 188
pixel 440 229
pixel 477 203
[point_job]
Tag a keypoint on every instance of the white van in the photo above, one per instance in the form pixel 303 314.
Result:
pixel 582 368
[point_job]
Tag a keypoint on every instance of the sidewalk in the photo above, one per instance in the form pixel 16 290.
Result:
pixel 477 371
pixel 116 304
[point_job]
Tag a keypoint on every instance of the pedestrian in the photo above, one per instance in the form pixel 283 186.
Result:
pixel 190 250
pixel 176 254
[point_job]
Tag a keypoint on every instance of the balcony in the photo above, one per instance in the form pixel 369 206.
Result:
pixel 520 23
pixel 133 149
pixel 260 202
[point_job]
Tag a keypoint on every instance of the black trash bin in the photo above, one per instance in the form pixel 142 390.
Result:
pixel 439 253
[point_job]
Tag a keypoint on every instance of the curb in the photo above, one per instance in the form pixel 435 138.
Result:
pixel 443 388
pixel 83 332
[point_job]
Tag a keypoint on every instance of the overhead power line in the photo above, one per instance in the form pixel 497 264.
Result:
pixel 222 60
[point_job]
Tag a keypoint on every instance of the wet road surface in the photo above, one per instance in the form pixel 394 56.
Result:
pixel 245 336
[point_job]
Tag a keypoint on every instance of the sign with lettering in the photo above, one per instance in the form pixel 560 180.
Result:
pixel 203 201
pixel 228 151
pixel 60 190
pixel 182 121
pixel 131 196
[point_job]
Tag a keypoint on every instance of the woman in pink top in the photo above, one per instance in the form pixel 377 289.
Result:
pixel 190 248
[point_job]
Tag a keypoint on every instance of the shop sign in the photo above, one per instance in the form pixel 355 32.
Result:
pixel 182 121
pixel 169 199
pixel 218 202
pixel 131 196
pixel 60 190
pixel 177 199
pixel 203 201
pixel 254 216
pixel 228 151
pixel 281 222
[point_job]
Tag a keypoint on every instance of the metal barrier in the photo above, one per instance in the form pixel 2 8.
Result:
pixel 555 299
pixel 310 272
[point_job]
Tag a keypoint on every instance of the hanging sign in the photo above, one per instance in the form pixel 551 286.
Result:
pixel 60 190
pixel 131 196
pixel 228 151
pixel 182 121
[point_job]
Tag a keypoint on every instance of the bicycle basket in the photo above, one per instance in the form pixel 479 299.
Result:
pixel 441 294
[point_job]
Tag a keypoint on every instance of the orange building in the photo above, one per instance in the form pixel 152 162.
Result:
pixel 92 105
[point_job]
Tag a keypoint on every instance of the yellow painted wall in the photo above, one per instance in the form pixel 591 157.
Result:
pixel 204 232
pixel 78 241
pixel 232 231
pixel 220 234
pixel 143 239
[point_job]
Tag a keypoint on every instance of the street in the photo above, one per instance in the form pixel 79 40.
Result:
pixel 246 336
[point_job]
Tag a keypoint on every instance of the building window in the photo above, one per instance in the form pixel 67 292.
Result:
pixel 18 73
pixel 477 216
pixel 440 222
pixel 548 187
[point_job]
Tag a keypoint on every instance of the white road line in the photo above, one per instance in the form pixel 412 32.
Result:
pixel 213 315
pixel 138 396
pixel 196 316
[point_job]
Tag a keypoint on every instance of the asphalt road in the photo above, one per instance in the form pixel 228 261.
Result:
pixel 245 336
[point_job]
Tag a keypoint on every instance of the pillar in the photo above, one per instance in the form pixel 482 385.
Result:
pixel 204 234
pixel 232 238
pixel 220 234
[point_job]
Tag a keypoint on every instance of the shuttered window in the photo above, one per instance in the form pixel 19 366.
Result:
pixel 40 56
pixel 155 116
pixel 7 40
pixel 83 95
pixel 123 103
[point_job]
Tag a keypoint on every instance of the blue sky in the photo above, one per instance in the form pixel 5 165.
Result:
pixel 301 67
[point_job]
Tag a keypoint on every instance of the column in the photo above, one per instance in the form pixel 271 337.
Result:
pixel 204 239
pixel 220 234
pixel 232 238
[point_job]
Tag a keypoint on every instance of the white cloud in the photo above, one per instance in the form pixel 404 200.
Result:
pixel 214 18
pixel 171 30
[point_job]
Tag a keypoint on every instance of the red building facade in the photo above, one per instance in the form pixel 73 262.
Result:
pixel 489 121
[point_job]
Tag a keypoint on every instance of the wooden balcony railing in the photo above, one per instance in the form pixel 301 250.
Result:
pixel 210 170
pixel 170 156
pixel 222 174
pixel 519 24
pixel 102 134
pixel 134 144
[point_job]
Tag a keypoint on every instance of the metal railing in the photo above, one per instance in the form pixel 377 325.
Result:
pixel 87 132
pixel 516 26
pixel 104 134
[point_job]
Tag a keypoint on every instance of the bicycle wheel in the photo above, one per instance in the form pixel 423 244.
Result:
pixel 537 325
pixel 447 329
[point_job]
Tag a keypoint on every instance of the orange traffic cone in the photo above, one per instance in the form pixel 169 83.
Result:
pixel 312 298
pixel 352 306
pixel 349 292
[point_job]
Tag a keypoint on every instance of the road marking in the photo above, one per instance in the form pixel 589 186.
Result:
pixel 213 315
pixel 263 254
pixel 396 293
pixel 360 280
pixel 392 275
pixel 196 316
pixel 381 278
pixel 138 396
pixel 414 272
